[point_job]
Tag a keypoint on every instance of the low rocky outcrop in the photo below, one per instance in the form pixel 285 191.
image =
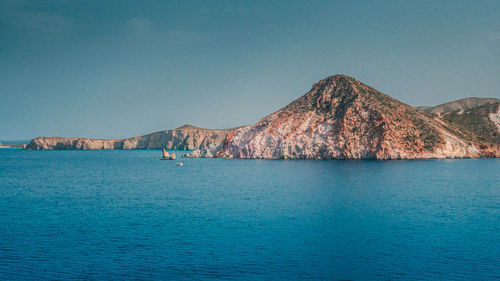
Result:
pixel 186 137
pixel 342 118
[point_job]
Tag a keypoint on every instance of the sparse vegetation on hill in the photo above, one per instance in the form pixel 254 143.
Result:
pixel 474 124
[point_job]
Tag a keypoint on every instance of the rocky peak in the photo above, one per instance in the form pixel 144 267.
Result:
pixel 334 80
pixel 335 95
pixel 333 90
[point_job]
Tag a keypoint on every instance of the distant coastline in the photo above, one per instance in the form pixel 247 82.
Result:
pixel 13 145
pixel 186 137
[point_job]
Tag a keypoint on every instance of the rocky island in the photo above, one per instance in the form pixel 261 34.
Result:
pixel 339 118
pixel 342 118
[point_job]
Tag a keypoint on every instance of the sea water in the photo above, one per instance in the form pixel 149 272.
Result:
pixel 118 215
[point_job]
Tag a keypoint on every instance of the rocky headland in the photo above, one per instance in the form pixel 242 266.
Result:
pixel 186 137
pixel 342 118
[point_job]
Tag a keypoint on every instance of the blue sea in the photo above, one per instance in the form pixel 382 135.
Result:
pixel 125 215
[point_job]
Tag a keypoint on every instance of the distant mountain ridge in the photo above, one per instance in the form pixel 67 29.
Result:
pixel 461 104
pixel 474 119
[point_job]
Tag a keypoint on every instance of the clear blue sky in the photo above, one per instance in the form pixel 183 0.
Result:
pixel 123 68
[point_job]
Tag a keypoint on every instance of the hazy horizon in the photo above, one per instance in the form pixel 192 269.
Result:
pixel 124 68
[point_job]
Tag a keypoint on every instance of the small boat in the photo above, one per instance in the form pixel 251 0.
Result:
pixel 179 164
pixel 284 154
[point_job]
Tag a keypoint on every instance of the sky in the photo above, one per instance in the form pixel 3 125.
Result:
pixel 112 69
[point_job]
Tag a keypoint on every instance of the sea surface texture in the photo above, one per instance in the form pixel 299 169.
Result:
pixel 125 215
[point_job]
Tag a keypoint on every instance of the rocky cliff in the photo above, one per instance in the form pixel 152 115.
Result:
pixel 342 118
pixel 183 138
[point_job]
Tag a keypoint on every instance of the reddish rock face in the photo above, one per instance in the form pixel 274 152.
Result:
pixel 341 118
